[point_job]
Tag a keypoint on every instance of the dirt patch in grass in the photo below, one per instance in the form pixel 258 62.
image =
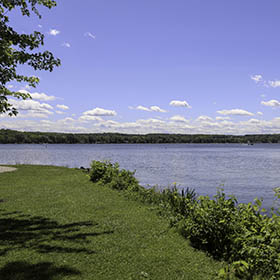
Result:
pixel 7 169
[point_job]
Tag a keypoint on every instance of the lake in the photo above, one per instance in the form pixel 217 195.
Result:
pixel 243 170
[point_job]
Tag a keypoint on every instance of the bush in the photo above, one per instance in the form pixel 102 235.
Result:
pixel 241 234
pixel 211 224
pixel 107 173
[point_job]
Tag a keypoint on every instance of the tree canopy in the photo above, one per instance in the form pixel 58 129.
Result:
pixel 16 49
pixel 12 136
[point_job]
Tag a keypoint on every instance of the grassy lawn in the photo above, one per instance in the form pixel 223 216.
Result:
pixel 56 224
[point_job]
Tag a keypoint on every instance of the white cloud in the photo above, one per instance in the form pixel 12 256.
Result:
pixel 257 78
pixel 68 119
pixel 88 34
pixel 151 122
pixel 100 112
pixel 40 26
pixel 53 32
pixel 60 113
pixel 34 114
pixel 67 45
pixel 151 109
pixel 222 118
pixel 235 112
pixel 254 121
pixel 31 108
pixel 178 118
pixel 95 124
pixel 30 105
pixel 259 113
pixel 178 103
pixel 204 118
pixel 157 109
pixel 142 108
pixel 271 103
pixel 40 96
pixel 61 106
pixel 87 118
pixel 274 84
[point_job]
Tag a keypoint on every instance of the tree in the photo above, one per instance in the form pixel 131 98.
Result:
pixel 16 49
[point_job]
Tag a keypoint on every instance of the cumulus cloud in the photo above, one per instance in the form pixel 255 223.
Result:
pixel 61 106
pixel 31 105
pixel 259 113
pixel 31 108
pixel 150 109
pixel 40 96
pixel 178 103
pixel 100 112
pixel 178 118
pixel 222 118
pixel 150 121
pixel 65 44
pixel 271 103
pixel 274 84
pixel 235 112
pixel 34 114
pixel 157 109
pixel 254 121
pixel 89 34
pixel 204 118
pixel 257 78
pixel 60 112
pixel 86 118
pixel 53 32
pixel 96 124
pixel 68 119
pixel 142 108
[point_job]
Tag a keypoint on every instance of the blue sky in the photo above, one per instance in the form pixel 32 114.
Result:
pixel 131 66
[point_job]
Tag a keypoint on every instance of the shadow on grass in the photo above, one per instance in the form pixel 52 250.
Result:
pixel 20 231
pixel 39 271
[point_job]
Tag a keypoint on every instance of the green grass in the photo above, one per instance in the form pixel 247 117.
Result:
pixel 56 224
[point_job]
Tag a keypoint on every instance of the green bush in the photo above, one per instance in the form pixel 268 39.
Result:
pixel 211 224
pixel 238 233
pixel 107 173
pixel 241 234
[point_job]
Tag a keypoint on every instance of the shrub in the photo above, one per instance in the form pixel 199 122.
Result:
pixel 211 224
pixel 241 234
pixel 107 173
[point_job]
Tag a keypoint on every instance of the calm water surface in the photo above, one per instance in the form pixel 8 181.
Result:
pixel 242 170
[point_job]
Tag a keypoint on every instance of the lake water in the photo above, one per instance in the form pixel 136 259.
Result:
pixel 242 170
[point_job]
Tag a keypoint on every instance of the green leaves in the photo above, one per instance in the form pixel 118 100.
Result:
pixel 240 234
pixel 107 173
pixel 16 49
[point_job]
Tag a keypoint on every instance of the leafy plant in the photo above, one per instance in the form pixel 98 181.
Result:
pixel 241 234
pixel 107 173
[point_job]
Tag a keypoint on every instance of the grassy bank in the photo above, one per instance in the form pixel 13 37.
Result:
pixel 56 224
pixel 244 235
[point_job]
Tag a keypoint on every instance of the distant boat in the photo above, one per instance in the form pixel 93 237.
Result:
pixel 250 143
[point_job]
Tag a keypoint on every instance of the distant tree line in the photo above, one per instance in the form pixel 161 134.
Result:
pixel 8 136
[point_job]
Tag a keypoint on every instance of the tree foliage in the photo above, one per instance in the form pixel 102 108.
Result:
pixel 13 136
pixel 16 49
